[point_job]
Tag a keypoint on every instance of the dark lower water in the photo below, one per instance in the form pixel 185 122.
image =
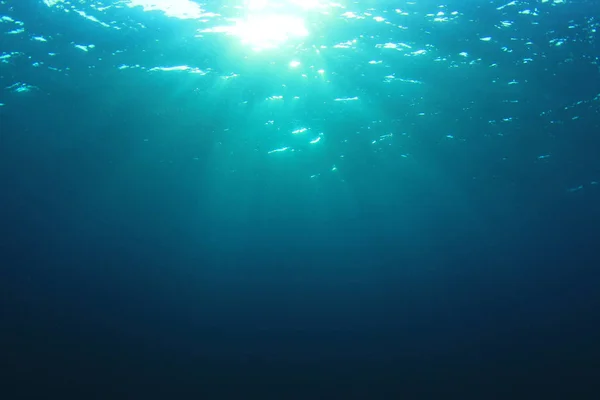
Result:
pixel 367 200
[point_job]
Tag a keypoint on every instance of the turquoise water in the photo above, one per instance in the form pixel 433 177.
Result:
pixel 300 199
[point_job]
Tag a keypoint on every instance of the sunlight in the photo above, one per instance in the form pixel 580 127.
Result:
pixel 262 4
pixel 270 23
pixel 269 31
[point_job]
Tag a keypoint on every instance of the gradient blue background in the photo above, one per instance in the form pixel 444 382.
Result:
pixel 136 264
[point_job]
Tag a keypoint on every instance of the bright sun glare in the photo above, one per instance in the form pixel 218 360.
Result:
pixel 269 31
pixel 268 23
pixel 260 24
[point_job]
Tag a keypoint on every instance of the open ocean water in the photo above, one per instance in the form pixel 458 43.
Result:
pixel 287 199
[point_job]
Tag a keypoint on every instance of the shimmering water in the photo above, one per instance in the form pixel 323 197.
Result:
pixel 299 199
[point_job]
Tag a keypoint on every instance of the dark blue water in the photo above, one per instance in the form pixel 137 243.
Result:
pixel 377 200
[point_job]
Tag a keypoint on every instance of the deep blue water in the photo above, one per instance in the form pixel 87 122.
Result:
pixel 409 211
